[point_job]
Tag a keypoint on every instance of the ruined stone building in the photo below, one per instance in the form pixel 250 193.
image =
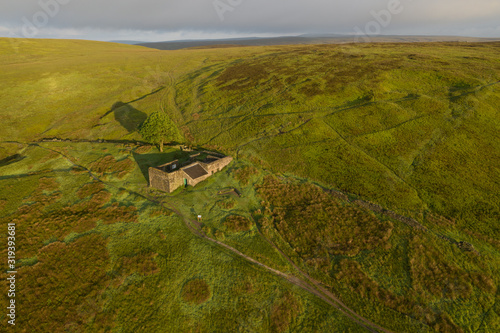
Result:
pixel 169 177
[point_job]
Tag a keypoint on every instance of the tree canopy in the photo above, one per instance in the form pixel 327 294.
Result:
pixel 158 128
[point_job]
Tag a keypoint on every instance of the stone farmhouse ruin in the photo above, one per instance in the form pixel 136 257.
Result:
pixel 169 177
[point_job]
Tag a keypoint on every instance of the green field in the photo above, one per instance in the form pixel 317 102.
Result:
pixel 369 177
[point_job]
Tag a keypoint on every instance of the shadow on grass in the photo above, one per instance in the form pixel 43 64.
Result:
pixel 129 117
pixel 145 161
pixel 11 159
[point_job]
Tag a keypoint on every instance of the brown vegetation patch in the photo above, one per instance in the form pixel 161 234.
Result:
pixel 483 281
pixel 187 134
pixel 244 174
pixel 311 90
pixel 100 199
pixel 335 70
pixel 352 276
pixel 244 287
pixel 315 223
pixel 196 292
pixel 116 213
pixel 442 278
pixel 43 195
pixel 493 241
pixel 439 220
pixel 104 165
pixel 420 56
pixel 245 74
pixel 50 156
pixel 236 223
pixel 38 219
pixel 109 165
pixel 89 189
pixel 77 170
pixel 143 149
pixel 226 204
pixel 144 264
pixel 159 211
pixel 48 184
pixel 283 312
pixel 65 277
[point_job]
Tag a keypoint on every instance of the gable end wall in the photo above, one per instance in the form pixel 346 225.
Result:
pixel 166 182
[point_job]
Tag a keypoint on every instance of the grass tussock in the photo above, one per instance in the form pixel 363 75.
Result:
pixel 245 174
pixel 236 223
pixel 143 149
pixel 196 292
pixel 143 264
pixel 90 189
pixel 159 211
pixel 227 204
pixel 109 165
pixel 283 312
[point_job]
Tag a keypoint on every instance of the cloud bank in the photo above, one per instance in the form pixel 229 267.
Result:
pixel 152 19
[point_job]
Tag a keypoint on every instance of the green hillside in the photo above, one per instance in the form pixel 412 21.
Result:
pixel 368 174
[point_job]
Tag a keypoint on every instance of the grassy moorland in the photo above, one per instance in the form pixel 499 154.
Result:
pixel 371 169
pixel 96 255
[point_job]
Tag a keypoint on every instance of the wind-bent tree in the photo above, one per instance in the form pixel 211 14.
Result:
pixel 158 128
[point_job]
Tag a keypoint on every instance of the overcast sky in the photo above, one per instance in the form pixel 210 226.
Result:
pixel 156 20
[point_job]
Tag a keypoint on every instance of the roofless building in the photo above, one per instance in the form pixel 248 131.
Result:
pixel 169 177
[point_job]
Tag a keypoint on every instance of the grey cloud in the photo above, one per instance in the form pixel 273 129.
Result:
pixel 253 16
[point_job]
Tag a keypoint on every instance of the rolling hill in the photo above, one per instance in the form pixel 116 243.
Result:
pixel 307 39
pixel 368 180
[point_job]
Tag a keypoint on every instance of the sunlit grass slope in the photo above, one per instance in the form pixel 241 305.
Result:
pixel 68 88
pixel 413 128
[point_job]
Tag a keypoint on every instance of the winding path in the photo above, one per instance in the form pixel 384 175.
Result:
pixel 315 288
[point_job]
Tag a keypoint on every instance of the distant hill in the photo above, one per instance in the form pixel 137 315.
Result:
pixel 304 40
pixel 129 42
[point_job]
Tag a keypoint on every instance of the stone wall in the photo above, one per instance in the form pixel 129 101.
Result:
pixel 214 154
pixel 379 209
pixel 193 156
pixel 194 182
pixel 163 180
pixel 168 167
pixel 167 182
pixel 218 165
